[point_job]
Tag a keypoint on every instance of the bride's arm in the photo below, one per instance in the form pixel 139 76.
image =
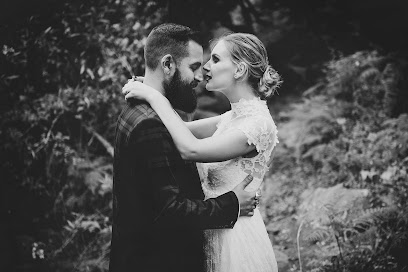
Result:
pixel 217 148
pixel 203 128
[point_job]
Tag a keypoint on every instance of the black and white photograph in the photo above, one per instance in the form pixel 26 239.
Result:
pixel 203 136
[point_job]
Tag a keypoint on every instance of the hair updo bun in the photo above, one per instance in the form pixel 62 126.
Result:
pixel 269 82
pixel 249 49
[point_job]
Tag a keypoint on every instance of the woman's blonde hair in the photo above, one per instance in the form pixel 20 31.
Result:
pixel 249 49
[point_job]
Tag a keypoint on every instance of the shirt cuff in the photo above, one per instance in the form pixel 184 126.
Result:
pixel 239 206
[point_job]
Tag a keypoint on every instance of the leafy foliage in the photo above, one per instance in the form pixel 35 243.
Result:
pixel 348 132
pixel 66 70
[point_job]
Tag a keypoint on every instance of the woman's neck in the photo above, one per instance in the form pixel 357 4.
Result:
pixel 240 90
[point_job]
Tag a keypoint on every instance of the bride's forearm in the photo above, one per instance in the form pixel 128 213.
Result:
pixel 184 140
pixel 203 128
pixel 211 149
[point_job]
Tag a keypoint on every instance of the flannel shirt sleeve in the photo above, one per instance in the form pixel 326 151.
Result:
pixel 166 168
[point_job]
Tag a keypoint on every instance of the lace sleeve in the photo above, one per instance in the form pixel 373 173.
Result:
pixel 260 131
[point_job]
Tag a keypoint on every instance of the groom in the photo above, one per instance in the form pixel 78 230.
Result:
pixel 159 213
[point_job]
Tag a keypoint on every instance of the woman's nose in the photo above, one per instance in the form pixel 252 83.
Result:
pixel 206 67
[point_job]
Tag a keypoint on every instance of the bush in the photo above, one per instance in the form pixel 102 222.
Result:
pixel 351 129
pixel 65 66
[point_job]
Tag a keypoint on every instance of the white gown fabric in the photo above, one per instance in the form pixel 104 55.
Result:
pixel 246 247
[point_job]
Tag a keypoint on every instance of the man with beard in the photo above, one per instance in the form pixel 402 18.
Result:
pixel 159 210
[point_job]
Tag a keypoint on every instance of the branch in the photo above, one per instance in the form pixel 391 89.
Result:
pixel 298 244
pixel 250 8
pixel 103 141
pixel 47 139
pixel 247 14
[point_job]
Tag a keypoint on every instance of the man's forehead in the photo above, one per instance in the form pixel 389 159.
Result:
pixel 195 52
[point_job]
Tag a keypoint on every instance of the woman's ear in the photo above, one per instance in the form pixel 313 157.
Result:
pixel 168 65
pixel 241 70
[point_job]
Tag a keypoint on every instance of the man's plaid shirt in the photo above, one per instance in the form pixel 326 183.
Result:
pixel 155 190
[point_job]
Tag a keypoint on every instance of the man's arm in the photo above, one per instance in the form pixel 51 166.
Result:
pixel 166 170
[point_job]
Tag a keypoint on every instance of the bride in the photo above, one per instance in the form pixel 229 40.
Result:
pixel 230 146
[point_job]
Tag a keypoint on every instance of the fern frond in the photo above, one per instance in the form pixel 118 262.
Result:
pixel 365 238
pixel 318 235
pixel 369 74
pixel 367 218
pixel 329 207
pixel 371 212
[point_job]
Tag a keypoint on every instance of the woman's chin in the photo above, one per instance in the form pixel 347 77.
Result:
pixel 212 88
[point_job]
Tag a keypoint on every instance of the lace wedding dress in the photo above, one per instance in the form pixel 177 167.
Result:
pixel 246 247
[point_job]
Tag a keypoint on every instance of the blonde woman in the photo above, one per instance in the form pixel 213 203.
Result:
pixel 230 146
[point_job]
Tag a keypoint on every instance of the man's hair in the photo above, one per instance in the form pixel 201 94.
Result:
pixel 168 39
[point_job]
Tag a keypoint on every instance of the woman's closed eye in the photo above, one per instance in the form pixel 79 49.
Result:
pixel 215 59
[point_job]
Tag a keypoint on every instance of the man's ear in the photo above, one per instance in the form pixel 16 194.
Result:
pixel 241 70
pixel 168 65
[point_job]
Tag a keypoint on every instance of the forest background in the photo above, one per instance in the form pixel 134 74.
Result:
pixel 335 198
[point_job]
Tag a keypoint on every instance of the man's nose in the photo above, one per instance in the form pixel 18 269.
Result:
pixel 199 76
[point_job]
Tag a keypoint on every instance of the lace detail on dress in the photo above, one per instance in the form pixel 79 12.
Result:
pixel 252 117
pixel 246 247
pixel 247 107
pixel 262 134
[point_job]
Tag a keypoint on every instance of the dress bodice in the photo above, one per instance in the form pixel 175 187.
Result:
pixel 251 117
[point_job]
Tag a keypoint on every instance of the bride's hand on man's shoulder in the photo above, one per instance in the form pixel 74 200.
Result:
pixel 126 89
pixel 134 88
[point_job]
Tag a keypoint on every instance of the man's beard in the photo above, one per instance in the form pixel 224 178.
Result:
pixel 181 94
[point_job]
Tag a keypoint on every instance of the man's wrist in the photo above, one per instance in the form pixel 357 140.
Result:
pixel 239 204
